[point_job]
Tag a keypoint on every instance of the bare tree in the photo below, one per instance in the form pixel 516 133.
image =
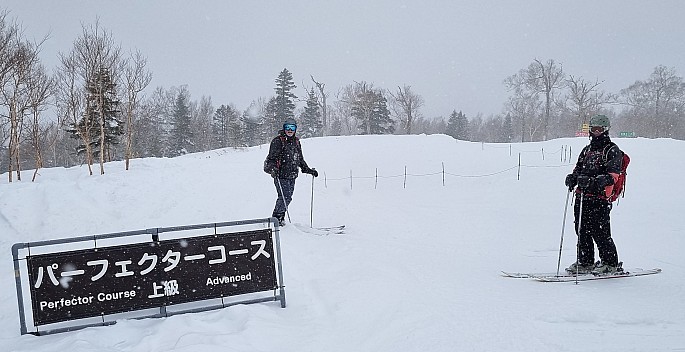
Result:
pixel 70 98
pixel 585 99
pixel 341 122
pixel 406 105
pixel 9 33
pixel 538 78
pixel 40 87
pixel 549 77
pixel 154 123
pixel 136 79
pixel 658 101
pixel 16 70
pixel 95 63
pixel 361 100
pixel 323 105
pixel 525 112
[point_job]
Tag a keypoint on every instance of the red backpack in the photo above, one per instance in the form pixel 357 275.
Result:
pixel 619 185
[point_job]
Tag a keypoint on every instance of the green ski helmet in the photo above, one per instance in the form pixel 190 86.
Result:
pixel 600 121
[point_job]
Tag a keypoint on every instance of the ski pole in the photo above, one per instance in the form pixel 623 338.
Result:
pixel 563 227
pixel 311 206
pixel 580 224
pixel 280 188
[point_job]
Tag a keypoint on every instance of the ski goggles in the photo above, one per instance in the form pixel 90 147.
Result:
pixel 289 127
pixel 597 129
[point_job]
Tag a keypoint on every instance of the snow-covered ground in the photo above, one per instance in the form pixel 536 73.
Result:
pixel 419 266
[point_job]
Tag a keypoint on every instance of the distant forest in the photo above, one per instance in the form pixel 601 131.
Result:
pixel 97 106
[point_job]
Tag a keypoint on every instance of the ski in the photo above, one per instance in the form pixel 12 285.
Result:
pixel 589 277
pixel 331 228
pixel 563 275
pixel 519 275
pixel 322 231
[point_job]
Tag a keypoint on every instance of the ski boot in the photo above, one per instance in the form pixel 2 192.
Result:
pixel 580 268
pixel 608 269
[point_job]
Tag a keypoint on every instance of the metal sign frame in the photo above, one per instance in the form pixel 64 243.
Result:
pixel 95 280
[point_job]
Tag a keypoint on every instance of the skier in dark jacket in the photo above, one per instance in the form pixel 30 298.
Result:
pixel 595 173
pixel 285 156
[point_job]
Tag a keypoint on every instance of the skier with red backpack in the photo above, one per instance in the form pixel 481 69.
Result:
pixel 599 174
pixel 282 163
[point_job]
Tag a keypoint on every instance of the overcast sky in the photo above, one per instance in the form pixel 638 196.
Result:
pixel 454 53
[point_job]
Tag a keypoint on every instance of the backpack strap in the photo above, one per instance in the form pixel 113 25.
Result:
pixel 282 138
pixel 605 152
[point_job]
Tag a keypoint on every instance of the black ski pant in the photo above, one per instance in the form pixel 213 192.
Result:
pixel 594 226
pixel 284 198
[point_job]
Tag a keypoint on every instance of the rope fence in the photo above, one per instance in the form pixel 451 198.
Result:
pixel 564 152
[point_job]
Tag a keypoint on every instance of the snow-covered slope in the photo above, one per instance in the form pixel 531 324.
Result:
pixel 418 268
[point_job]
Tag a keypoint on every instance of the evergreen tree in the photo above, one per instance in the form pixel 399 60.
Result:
pixel 271 122
pixel 220 126
pixel 451 129
pixel 181 134
pixel 100 126
pixel 310 119
pixel 226 127
pixel 285 106
pixel 370 109
pixel 458 126
pixel 381 122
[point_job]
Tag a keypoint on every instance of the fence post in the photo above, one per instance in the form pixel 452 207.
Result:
pixel 350 179
pixel 375 186
pixel 518 176
pixel 443 174
pixel 405 176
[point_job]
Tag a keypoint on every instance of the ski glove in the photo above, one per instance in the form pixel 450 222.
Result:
pixel 313 172
pixel 571 181
pixel 274 173
pixel 586 183
pixel 604 180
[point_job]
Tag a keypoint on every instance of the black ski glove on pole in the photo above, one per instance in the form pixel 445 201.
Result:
pixel 571 181
pixel 586 183
pixel 604 180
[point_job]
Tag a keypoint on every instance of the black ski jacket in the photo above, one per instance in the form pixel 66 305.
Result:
pixel 600 157
pixel 285 156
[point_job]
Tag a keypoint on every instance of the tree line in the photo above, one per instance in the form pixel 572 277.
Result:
pixel 97 106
